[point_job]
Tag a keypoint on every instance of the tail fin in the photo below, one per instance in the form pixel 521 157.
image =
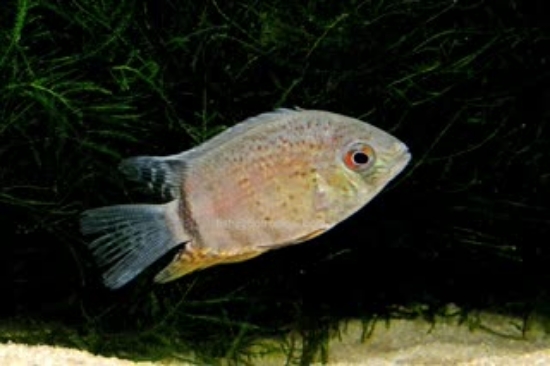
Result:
pixel 131 238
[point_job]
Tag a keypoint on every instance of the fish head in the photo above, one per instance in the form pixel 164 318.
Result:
pixel 365 160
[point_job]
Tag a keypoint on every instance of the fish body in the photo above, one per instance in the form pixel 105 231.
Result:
pixel 274 180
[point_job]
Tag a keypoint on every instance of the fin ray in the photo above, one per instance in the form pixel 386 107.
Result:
pixel 238 129
pixel 161 175
pixel 130 238
pixel 164 175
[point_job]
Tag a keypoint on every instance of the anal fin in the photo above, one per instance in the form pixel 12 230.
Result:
pixel 190 260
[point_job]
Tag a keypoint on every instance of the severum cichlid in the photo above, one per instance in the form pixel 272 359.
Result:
pixel 274 180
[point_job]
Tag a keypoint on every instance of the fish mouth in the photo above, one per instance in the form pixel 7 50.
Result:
pixel 403 157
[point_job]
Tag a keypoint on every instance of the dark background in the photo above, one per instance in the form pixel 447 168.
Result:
pixel 465 84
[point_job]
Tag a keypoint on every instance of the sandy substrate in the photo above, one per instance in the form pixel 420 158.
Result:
pixel 497 340
pixel 420 343
pixel 24 355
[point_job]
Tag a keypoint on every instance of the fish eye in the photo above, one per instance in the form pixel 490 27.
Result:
pixel 359 156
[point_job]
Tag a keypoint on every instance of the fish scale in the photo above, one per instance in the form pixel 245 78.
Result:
pixel 274 180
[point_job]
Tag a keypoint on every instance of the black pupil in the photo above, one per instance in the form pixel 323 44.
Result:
pixel 360 158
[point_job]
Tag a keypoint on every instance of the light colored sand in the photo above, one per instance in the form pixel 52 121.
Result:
pixel 421 343
pixel 24 355
pixel 403 342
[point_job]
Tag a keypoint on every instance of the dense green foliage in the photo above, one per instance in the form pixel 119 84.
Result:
pixel 465 83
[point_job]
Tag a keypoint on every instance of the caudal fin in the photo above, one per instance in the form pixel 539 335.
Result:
pixel 130 238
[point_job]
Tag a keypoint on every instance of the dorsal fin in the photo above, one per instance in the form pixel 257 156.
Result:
pixel 162 175
pixel 240 128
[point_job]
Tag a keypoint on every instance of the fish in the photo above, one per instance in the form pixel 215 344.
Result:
pixel 274 180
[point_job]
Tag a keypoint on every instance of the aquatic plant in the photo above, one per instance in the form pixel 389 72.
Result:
pixel 85 83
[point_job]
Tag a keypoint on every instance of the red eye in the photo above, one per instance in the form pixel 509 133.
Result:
pixel 359 156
